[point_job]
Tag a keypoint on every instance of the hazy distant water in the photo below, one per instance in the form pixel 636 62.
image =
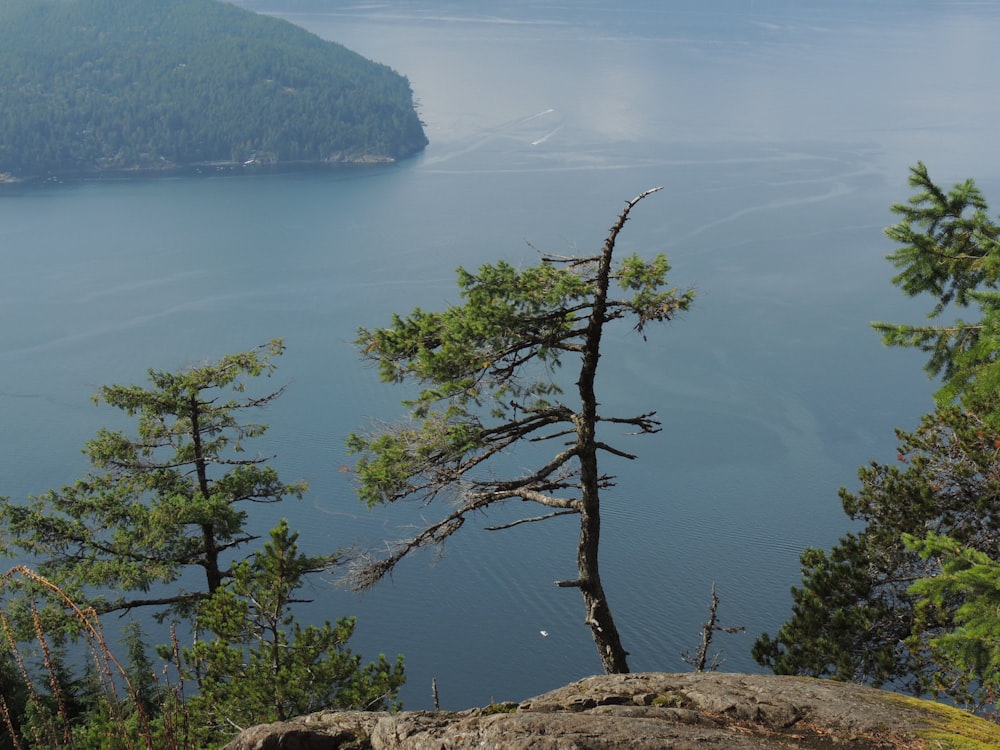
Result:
pixel 781 131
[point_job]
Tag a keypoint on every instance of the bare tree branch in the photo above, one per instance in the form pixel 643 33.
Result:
pixel 531 520
pixel 616 452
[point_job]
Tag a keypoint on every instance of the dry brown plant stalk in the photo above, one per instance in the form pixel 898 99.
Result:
pixel 107 666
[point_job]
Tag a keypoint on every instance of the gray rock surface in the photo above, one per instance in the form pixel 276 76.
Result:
pixel 653 710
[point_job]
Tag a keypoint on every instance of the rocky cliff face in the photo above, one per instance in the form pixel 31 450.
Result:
pixel 645 711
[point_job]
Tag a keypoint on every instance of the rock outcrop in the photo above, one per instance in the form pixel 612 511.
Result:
pixel 653 710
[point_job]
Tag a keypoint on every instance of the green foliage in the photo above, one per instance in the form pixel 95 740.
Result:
pixel 497 353
pixel 159 503
pixel 948 241
pixel 109 707
pixel 471 354
pixel 855 616
pixel 966 593
pixel 13 700
pixel 950 251
pixel 848 619
pixel 907 600
pixel 651 302
pixel 123 84
pixel 486 370
pixel 168 499
pixel 147 691
pixel 261 665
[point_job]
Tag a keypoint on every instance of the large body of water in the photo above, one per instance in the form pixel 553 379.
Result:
pixel 782 132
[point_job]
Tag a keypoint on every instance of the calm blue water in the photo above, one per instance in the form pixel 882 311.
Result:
pixel 781 131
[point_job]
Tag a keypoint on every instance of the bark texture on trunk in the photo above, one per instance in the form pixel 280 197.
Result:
pixel 613 655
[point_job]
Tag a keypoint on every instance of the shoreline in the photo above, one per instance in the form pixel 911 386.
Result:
pixel 202 169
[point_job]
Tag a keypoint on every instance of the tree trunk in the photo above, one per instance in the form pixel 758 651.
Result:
pixel 614 657
pixel 213 574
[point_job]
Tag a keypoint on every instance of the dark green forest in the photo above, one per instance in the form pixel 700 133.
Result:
pixel 103 85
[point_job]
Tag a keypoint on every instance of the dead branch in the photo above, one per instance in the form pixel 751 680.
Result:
pixel 700 659
pixel 531 520
pixel 615 451
pixel 574 584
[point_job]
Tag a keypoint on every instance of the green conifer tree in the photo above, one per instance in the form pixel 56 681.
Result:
pixel 486 368
pixel 965 591
pixel 950 251
pixel 253 663
pixel 168 499
pixel 904 600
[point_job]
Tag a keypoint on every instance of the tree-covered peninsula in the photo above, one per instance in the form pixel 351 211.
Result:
pixel 108 85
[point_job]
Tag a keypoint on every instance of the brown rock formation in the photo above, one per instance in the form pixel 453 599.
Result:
pixel 653 710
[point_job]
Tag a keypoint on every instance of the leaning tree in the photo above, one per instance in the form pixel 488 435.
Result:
pixel 485 371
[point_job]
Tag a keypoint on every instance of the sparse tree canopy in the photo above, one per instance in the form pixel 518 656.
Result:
pixel 485 369
pixel 168 499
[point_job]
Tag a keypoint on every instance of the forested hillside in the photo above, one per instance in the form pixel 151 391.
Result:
pixel 95 85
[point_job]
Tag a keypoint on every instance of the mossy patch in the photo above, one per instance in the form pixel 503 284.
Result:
pixel 506 707
pixel 671 700
pixel 951 728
